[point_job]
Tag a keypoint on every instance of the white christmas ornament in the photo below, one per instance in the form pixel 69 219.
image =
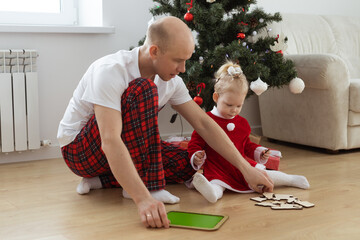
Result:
pixel 230 127
pixel 210 1
pixel 258 86
pixel 296 85
pixel 280 44
pixel 201 60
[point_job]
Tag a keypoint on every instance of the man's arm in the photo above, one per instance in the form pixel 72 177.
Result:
pixel 210 131
pixel 110 126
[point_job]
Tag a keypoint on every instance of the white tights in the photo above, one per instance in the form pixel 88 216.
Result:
pixel 212 192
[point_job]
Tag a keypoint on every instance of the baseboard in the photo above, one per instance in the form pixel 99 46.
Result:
pixel 167 135
pixel 43 153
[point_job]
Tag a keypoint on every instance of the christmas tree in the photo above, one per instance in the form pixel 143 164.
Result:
pixel 225 30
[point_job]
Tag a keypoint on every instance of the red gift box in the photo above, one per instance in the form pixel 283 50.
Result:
pixel 273 163
pixel 182 144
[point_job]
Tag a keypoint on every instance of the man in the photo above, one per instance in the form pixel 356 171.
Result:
pixel 109 133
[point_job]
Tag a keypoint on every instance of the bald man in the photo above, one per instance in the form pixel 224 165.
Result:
pixel 109 133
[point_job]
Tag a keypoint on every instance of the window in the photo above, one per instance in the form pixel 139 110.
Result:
pixel 38 12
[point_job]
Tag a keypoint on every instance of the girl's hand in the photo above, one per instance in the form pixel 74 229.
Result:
pixel 199 158
pixel 265 154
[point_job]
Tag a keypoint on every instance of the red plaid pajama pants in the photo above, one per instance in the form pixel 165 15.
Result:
pixel 156 161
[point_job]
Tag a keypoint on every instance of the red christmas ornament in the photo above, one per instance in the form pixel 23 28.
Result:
pixel 241 35
pixel 281 52
pixel 188 17
pixel 198 100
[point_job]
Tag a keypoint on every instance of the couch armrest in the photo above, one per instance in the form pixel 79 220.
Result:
pixel 319 115
pixel 321 71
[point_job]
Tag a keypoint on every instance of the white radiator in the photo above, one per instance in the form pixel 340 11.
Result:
pixel 19 102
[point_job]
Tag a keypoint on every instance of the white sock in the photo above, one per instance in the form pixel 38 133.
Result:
pixel 88 183
pixel 212 192
pixel 219 190
pixel 160 195
pixel 283 179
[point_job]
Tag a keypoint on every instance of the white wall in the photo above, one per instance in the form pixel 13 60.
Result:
pixel 63 58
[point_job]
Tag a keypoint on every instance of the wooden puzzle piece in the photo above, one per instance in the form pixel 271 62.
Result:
pixel 305 203
pixel 268 195
pixel 266 204
pixel 286 206
pixel 291 200
pixel 258 199
pixel 282 196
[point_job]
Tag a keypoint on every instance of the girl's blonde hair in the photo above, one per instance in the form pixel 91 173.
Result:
pixel 230 77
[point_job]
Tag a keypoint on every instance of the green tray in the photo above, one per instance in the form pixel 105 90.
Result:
pixel 202 221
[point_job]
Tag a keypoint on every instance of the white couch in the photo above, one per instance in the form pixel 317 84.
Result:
pixel 326 53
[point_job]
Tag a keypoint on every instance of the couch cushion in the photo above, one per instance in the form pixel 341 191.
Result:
pixel 354 119
pixel 346 31
pixel 354 103
pixel 353 140
pixel 354 95
pixel 313 35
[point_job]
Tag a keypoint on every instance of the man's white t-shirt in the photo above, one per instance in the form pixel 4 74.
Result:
pixel 104 83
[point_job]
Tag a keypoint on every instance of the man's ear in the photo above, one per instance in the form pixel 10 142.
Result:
pixel 154 51
pixel 215 97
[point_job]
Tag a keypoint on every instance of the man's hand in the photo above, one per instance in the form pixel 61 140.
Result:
pixel 153 213
pixel 258 180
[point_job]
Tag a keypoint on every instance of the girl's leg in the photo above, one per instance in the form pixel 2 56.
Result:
pixel 283 179
pixel 212 192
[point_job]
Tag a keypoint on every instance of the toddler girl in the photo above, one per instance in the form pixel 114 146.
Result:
pixel 230 91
